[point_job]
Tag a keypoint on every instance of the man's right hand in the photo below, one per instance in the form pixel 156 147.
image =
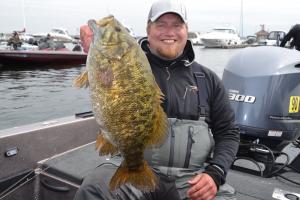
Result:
pixel 86 36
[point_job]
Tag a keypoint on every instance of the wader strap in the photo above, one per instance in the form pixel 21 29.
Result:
pixel 202 99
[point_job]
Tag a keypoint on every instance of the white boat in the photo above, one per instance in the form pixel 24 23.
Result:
pixel 194 37
pixel 24 46
pixel 275 38
pixel 130 30
pixel 26 37
pixel 221 37
pixel 59 34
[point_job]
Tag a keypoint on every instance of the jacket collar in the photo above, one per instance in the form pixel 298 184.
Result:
pixel 186 59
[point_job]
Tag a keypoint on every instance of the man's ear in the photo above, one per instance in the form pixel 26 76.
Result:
pixel 148 28
pixel 149 24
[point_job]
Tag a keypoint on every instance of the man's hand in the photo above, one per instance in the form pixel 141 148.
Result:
pixel 86 36
pixel 203 187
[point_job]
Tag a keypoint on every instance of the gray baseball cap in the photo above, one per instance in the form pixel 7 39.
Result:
pixel 161 7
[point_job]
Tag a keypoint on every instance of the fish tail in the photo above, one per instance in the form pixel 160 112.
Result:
pixel 82 80
pixel 104 146
pixel 141 178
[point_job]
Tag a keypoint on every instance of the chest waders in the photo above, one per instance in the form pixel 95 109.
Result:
pixel 188 145
pixel 184 152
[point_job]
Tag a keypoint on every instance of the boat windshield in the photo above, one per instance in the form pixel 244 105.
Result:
pixel 59 31
pixel 223 30
pixel 273 35
pixel 192 35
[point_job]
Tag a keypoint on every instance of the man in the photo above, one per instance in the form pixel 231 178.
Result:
pixel 192 93
pixel 45 42
pixel 15 40
pixel 295 34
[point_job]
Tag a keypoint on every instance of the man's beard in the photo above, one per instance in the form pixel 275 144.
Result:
pixel 169 53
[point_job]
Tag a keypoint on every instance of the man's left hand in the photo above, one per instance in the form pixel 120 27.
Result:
pixel 203 187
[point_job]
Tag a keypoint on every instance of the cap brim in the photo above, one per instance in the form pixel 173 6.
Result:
pixel 155 17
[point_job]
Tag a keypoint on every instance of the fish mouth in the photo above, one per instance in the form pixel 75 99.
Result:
pixel 101 23
pixel 98 27
pixel 106 22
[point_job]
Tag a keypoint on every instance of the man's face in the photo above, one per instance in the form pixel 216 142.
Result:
pixel 167 36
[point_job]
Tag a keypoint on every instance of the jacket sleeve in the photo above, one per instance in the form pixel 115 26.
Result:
pixel 223 127
pixel 287 37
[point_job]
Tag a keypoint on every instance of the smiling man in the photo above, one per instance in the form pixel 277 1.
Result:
pixel 167 35
pixel 194 160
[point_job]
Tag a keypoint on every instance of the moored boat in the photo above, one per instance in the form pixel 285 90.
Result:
pixel 275 37
pixel 25 57
pixel 59 34
pixel 195 38
pixel 221 37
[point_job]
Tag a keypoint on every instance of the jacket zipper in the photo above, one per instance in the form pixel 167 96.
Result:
pixel 171 158
pixel 189 147
pixel 168 72
pixel 168 92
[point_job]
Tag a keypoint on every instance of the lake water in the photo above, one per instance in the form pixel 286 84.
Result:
pixel 29 96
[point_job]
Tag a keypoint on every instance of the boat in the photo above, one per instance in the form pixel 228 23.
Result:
pixel 250 40
pixel 49 159
pixel 41 57
pixel 59 34
pixel 275 37
pixel 194 37
pixel 24 46
pixel 130 30
pixel 26 37
pixel 221 37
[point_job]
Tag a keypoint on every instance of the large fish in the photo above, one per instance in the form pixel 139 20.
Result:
pixel 126 102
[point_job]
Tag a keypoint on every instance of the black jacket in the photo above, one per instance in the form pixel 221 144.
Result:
pixel 177 82
pixel 295 34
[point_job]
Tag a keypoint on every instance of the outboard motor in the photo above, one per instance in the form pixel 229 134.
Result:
pixel 264 90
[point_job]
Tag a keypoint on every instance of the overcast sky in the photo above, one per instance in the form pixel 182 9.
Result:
pixel 42 15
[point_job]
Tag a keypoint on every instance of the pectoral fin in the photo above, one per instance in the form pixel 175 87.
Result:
pixel 82 80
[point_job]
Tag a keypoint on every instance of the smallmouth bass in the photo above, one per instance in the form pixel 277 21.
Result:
pixel 126 102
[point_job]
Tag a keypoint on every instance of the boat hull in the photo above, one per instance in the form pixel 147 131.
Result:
pixel 39 141
pixel 215 43
pixel 221 37
pixel 41 57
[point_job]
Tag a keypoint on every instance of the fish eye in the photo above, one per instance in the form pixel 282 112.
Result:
pixel 117 29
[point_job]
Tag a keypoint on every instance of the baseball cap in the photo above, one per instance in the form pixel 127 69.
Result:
pixel 161 7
